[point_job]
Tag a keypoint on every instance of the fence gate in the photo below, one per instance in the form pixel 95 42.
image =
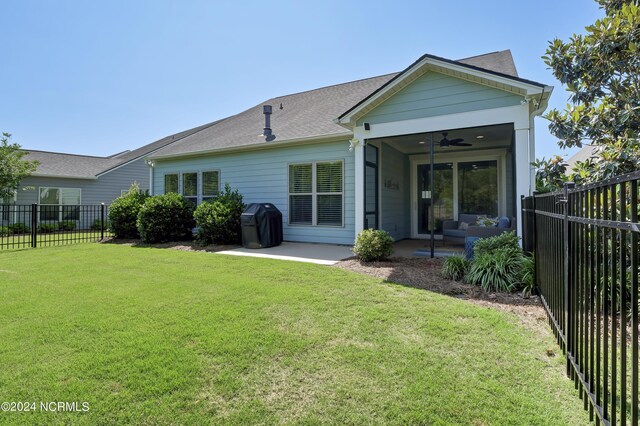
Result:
pixel 585 243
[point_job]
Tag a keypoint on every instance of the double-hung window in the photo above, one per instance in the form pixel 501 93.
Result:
pixel 171 183
pixel 210 184
pixel 58 204
pixel 190 187
pixel 316 193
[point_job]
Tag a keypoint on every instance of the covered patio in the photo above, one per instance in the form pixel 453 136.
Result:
pixel 424 186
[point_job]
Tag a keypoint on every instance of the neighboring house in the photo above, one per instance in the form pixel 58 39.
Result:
pixel 585 153
pixel 62 182
pixel 356 155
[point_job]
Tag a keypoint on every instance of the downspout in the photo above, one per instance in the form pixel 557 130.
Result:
pixel 532 141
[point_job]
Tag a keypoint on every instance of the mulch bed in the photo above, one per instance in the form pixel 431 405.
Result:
pixel 425 273
pixel 178 245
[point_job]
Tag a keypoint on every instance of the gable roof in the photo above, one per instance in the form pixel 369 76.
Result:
pixel 503 76
pixel 311 115
pixel 59 164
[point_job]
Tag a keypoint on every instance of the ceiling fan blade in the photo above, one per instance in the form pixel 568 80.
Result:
pixel 455 141
pixel 463 144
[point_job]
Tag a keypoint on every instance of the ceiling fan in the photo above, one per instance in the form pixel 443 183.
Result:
pixel 446 143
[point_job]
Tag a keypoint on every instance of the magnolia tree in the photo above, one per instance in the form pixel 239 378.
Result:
pixel 13 169
pixel 601 71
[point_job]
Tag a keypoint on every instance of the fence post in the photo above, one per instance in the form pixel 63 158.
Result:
pixel 567 270
pixel 34 225
pixel 534 242
pixel 101 221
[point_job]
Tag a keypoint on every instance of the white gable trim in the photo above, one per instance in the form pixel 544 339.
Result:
pixel 459 71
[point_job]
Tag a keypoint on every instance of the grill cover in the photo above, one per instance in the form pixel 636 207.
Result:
pixel 261 226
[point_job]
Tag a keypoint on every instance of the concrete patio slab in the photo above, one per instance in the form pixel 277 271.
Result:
pixel 321 254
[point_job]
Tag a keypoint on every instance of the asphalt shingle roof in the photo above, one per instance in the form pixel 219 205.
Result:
pixel 307 114
pixel 88 167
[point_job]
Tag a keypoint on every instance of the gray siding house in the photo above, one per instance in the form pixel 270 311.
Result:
pixel 63 182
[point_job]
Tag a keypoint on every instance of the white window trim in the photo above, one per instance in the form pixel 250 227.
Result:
pixel 201 195
pixel 164 182
pixel 59 188
pixel 200 183
pixel 314 194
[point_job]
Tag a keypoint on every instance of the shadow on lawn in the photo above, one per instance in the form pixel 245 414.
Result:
pixel 174 245
pixel 425 273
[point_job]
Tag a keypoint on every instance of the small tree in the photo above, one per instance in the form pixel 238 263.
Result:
pixel 601 71
pixel 13 169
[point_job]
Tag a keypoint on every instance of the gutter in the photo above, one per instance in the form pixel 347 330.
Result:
pixel 62 176
pixel 258 147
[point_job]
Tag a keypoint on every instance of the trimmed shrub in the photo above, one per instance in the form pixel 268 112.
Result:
pixel 4 230
pixel 47 228
pixel 67 225
pixel 18 228
pixel 489 245
pixel 218 220
pixel 455 267
pixel 164 218
pixel 123 213
pixel 373 245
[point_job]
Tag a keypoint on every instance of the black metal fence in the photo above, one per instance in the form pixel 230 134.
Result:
pixel 35 225
pixel 585 242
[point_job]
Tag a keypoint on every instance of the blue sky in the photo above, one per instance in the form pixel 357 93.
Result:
pixel 100 77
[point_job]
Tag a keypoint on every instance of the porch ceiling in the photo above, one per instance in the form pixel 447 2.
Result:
pixel 486 137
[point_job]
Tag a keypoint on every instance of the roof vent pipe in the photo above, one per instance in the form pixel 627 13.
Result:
pixel 266 132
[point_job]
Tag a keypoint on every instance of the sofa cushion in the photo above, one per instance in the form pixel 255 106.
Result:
pixel 504 222
pixel 469 218
pixel 457 233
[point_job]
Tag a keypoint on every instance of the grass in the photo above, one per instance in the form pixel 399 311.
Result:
pixel 154 336
pixel 19 241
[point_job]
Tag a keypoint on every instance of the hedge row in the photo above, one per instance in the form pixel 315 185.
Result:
pixel 171 217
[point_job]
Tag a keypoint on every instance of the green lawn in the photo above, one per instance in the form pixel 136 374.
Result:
pixel 19 241
pixel 157 336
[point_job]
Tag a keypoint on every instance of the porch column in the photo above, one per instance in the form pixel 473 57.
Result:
pixel 523 171
pixel 359 182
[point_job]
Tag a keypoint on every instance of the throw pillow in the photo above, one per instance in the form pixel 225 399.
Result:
pixel 463 226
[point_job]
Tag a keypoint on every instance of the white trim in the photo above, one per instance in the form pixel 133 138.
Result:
pixel 151 179
pixel 314 194
pixel 201 195
pixel 518 115
pixel 61 176
pixel 432 64
pixel 164 182
pixel 60 205
pixel 311 140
